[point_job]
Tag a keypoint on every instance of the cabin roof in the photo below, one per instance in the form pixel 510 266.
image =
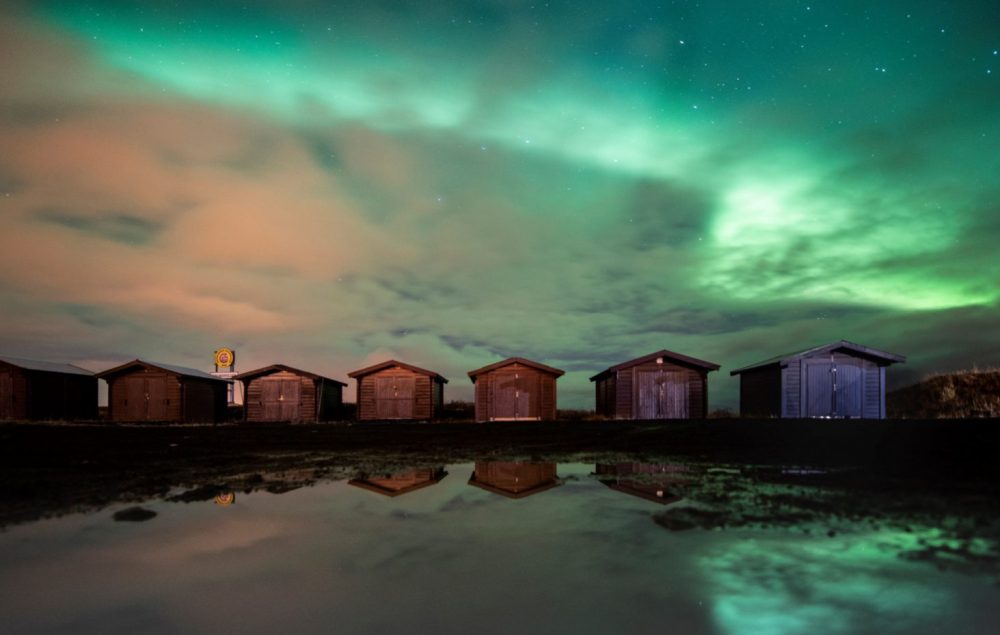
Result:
pixel 392 362
pixel 372 486
pixel 170 368
pixel 48 367
pixel 274 368
pixel 883 357
pixel 516 360
pixel 683 359
pixel 512 493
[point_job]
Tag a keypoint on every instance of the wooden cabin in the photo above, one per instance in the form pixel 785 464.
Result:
pixel 36 390
pixel 514 479
pixel 282 393
pixel 515 389
pixel 147 391
pixel 401 482
pixel 656 482
pixel 661 385
pixel 841 379
pixel 393 390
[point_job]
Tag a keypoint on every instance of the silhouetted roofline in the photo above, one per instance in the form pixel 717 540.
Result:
pixel 684 359
pixel 888 358
pixel 45 367
pixel 516 360
pixel 392 362
pixel 522 494
pixel 183 371
pixel 273 368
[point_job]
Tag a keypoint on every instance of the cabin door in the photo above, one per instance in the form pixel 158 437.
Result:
pixel 819 388
pixel 135 398
pixel 527 396
pixel 674 400
pixel 649 394
pixel 662 395
pixel 505 396
pixel 847 389
pixel 6 395
pixel 834 388
pixel 156 403
pixel 289 400
pixel 394 397
pixel 270 399
pixel 516 396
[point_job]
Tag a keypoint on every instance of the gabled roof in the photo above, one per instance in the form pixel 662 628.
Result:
pixel 515 493
pixel 274 368
pixel 516 360
pixel 677 357
pixel 48 367
pixel 379 486
pixel 882 356
pixel 170 368
pixel 392 362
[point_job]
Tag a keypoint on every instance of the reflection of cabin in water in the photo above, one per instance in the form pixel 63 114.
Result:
pixel 515 389
pixel 514 479
pixel 401 482
pixel 147 391
pixel 394 390
pixel 283 393
pixel 841 379
pixel 661 385
pixel 31 389
pixel 657 482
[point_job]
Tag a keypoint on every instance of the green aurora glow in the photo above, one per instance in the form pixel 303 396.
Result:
pixel 448 182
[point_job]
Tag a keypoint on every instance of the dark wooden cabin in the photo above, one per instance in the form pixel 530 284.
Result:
pixel 148 391
pixel 514 479
pixel 282 393
pixel 515 389
pixel 841 379
pixel 656 482
pixel 661 385
pixel 35 390
pixel 393 390
pixel 400 483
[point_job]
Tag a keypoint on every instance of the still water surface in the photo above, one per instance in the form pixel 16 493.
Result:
pixel 474 548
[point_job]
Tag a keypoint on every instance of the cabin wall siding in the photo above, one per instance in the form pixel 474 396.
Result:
pixel 46 395
pixel 185 399
pixel 15 404
pixel 760 392
pixel 622 395
pixel 794 385
pixel 792 394
pixel 871 403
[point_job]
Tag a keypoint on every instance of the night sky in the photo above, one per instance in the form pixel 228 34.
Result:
pixel 330 184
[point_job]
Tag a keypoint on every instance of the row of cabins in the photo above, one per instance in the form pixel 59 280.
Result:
pixel 841 379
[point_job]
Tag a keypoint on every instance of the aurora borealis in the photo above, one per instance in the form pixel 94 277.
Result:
pixel 327 184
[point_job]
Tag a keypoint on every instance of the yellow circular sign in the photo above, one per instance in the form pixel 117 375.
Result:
pixel 224 357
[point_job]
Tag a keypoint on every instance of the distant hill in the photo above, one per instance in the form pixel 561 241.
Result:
pixel 962 394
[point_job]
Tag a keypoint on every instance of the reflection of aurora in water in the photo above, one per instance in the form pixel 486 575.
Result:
pixel 578 557
pixel 779 585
